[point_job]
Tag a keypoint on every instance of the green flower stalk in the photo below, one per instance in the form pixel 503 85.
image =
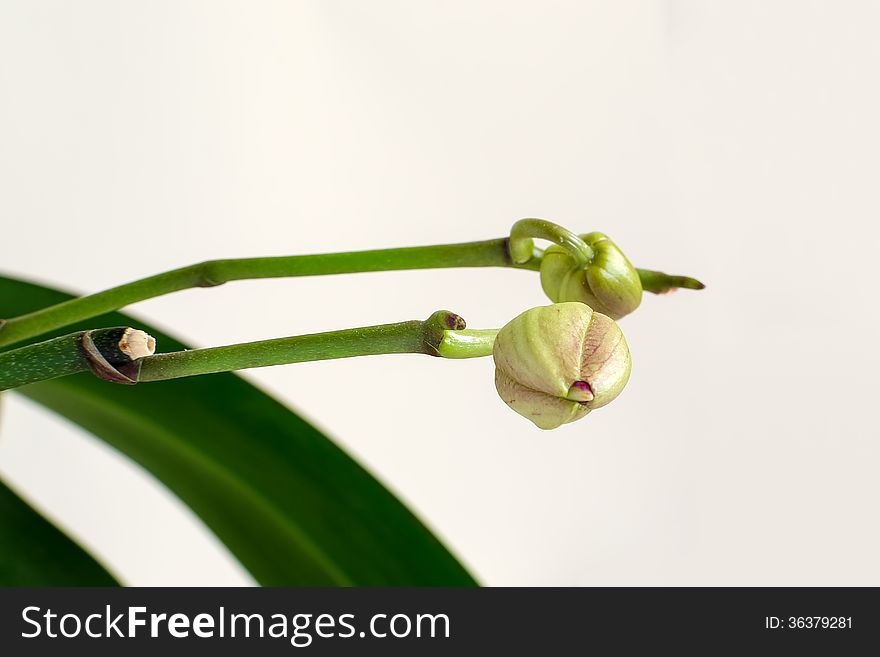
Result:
pixel 126 356
pixel 516 251
pixel 555 364
pixel 412 337
pixel 609 284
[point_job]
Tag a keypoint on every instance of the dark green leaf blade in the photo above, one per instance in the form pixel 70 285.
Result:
pixel 287 502
pixel 34 552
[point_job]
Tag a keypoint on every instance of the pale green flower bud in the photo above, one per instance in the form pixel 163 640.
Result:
pixel 554 364
pixel 609 284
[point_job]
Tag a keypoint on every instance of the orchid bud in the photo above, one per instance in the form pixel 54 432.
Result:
pixel 554 364
pixel 609 284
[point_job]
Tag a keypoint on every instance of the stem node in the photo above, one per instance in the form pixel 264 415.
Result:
pixel 112 354
pixel 207 276
pixel 434 329
pixel 103 368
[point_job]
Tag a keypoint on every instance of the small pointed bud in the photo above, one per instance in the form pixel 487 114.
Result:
pixel 580 391
pixel 609 284
pixel 554 364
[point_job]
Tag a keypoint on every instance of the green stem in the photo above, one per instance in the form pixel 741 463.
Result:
pixel 468 343
pixel 489 253
pixel 102 351
pixel 414 337
pixel 521 246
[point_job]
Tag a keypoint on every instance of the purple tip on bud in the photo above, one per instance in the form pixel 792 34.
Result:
pixel 580 391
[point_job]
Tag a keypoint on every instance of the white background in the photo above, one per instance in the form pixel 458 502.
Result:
pixel 737 142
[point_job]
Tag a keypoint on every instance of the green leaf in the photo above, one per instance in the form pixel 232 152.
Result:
pixel 34 552
pixel 289 504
